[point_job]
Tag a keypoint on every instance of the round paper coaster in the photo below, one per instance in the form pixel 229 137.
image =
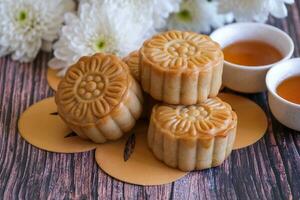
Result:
pixel 252 121
pixel 53 79
pixel 141 168
pixel 42 127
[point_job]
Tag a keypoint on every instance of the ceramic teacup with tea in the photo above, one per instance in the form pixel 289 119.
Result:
pixel 283 82
pixel 250 50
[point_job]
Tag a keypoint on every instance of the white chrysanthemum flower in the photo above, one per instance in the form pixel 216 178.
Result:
pixel 257 10
pixel 162 10
pixel 159 10
pixel 26 26
pixel 99 27
pixel 197 16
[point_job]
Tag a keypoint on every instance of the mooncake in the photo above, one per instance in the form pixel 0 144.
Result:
pixel 192 137
pixel 181 67
pixel 133 62
pixel 98 98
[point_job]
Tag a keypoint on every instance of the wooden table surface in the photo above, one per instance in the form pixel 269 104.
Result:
pixel 269 169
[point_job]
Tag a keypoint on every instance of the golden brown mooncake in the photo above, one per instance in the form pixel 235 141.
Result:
pixel 181 67
pixel 192 137
pixel 133 62
pixel 98 98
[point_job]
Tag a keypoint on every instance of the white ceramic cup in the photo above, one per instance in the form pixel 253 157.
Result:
pixel 286 112
pixel 249 79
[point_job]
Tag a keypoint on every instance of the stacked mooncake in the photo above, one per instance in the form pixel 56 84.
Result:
pixel 190 128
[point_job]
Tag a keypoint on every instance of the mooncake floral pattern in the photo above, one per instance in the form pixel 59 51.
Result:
pixel 93 87
pixel 181 50
pixel 132 60
pixel 210 117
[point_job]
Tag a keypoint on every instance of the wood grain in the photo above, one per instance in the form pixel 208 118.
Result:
pixel 269 169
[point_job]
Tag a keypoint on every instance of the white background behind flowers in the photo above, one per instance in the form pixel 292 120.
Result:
pixel 113 26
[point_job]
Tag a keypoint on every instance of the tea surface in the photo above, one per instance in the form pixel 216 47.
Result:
pixel 251 53
pixel 289 89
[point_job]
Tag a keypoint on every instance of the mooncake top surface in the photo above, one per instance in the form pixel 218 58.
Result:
pixel 210 118
pixel 181 51
pixel 92 88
